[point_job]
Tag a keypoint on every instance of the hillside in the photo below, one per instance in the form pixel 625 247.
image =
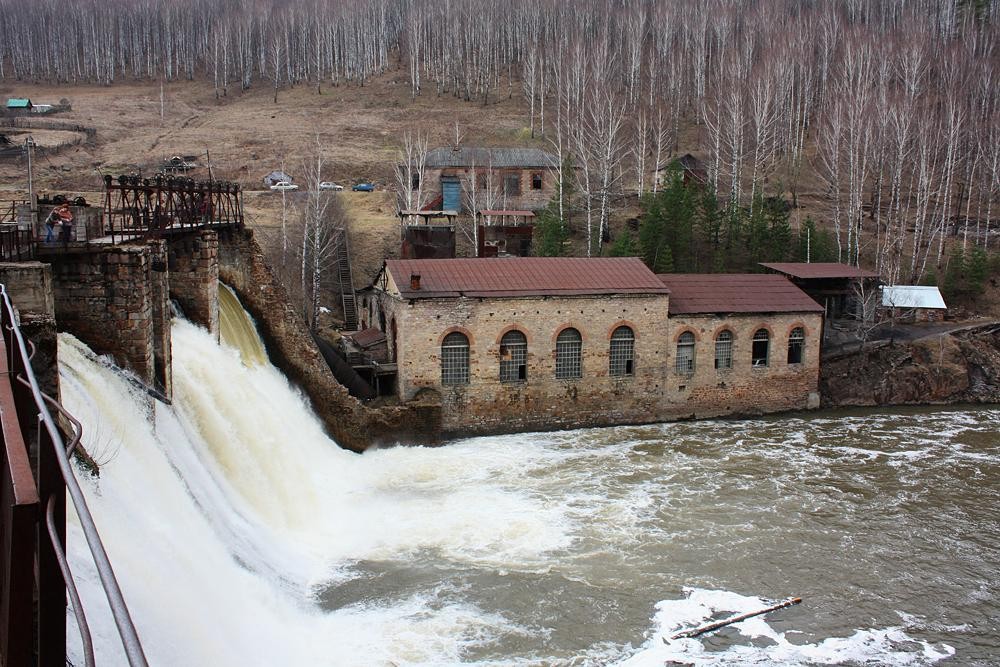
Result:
pixel 359 130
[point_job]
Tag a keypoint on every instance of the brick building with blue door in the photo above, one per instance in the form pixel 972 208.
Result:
pixel 465 180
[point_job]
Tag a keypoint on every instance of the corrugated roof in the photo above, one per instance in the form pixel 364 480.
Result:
pixel 912 296
pixel 490 157
pixel 366 337
pixel 735 293
pixel 18 103
pixel 819 270
pixel 524 276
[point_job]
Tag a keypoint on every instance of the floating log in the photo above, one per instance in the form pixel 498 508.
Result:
pixel 735 619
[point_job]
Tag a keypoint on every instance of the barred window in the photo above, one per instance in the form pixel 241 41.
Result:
pixel 455 359
pixel 621 357
pixel 796 342
pixel 761 347
pixel 684 364
pixel 569 344
pixel 724 350
pixel 513 357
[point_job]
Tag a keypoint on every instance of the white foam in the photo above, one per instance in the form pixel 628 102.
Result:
pixel 885 646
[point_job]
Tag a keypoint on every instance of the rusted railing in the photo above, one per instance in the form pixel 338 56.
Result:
pixel 16 245
pixel 136 207
pixel 24 528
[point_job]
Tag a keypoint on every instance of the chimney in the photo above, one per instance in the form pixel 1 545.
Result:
pixel 414 281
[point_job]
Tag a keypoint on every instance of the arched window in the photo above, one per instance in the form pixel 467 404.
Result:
pixel 684 363
pixel 455 359
pixel 761 345
pixel 724 350
pixel 569 344
pixel 513 357
pixel 796 343
pixel 621 357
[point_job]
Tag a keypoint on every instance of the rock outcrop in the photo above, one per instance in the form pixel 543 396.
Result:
pixel 962 366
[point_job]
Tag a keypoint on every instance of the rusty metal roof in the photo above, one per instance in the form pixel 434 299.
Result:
pixel 808 270
pixel 366 337
pixel 735 293
pixel 524 276
pixel 490 157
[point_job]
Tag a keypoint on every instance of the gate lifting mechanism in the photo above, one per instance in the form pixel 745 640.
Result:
pixel 140 207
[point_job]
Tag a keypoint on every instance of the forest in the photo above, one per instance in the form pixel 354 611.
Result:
pixel 886 111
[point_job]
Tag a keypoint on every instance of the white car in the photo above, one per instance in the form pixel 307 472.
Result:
pixel 327 185
pixel 284 186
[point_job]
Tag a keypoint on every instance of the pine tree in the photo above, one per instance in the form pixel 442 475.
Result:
pixel 550 234
pixel 623 246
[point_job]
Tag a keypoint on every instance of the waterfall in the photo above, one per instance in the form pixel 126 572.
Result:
pixel 223 512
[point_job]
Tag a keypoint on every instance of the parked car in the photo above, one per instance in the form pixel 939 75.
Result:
pixel 363 187
pixel 284 185
pixel 327 185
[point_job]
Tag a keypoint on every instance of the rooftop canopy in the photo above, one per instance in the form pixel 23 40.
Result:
pixel 490 158
pixel 819 270
pixel 912 296
pixel 523 276
pixel 695 293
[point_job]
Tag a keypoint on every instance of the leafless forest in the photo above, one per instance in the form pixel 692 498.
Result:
pixel 893 105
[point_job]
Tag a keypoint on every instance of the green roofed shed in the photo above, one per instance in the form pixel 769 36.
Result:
pixel 18 103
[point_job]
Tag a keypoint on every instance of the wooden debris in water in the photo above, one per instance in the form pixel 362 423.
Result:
pixel 735 619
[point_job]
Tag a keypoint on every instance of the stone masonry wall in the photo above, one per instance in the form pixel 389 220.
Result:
pixel 542 402
pixel 657 391
pixel 194 277
pixel 105 299
pixel 290 347
pixel 29 285
pixel 159 279
pixel 745 389
pixel 529 198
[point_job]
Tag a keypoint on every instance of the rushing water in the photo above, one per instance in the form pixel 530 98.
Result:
pixel 243 536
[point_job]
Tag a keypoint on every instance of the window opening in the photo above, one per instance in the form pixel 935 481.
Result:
pixel 513 357
pixel 761 343
pixel 621 357
pixel 536 180
pixel 724 350
pixel 684 363
pixel 455 359
pixel 512 184
pixel 569 345
pixel 796 343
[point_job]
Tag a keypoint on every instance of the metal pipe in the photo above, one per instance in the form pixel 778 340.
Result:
pixel 116 601
pixel 74 595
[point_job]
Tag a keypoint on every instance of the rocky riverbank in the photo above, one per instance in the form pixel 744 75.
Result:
pixel 960 366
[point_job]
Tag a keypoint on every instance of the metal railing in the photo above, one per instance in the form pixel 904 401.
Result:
pixel 24 549
pixel 16 245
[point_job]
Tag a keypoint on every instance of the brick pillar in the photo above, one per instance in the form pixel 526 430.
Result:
pixel 194 277
pixel 105 298
pixel 159 280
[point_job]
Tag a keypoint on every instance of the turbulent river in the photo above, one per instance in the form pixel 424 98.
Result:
pixel 243 536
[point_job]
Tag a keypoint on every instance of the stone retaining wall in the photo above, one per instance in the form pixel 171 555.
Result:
pixel 290 347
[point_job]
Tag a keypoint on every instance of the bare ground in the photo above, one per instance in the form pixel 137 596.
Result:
pixel 246 135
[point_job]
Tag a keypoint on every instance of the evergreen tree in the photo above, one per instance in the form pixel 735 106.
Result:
pixel 550 235
pixel 623 246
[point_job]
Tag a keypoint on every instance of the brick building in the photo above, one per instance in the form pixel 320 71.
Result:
pixel 744 343
pixel 473 179
pixel 517 344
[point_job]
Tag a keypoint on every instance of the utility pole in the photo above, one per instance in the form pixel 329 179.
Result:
pixel 29 144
